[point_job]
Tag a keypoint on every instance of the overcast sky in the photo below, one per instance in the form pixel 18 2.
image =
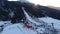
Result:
pixel 55 3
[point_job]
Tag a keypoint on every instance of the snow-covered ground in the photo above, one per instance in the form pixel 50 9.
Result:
pixel 50 20
pixel 5 23
pixel 19 29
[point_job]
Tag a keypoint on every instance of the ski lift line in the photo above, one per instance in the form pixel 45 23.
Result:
pixel 28 17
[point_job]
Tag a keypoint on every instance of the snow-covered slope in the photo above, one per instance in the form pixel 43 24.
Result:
pixel 17 29
pixel 5 23
pixel 50 20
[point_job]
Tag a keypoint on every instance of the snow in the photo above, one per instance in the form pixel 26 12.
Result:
pixel 50 20
pixel 11 14
pixel 5 23
pixel 17 29
pixel 41 30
